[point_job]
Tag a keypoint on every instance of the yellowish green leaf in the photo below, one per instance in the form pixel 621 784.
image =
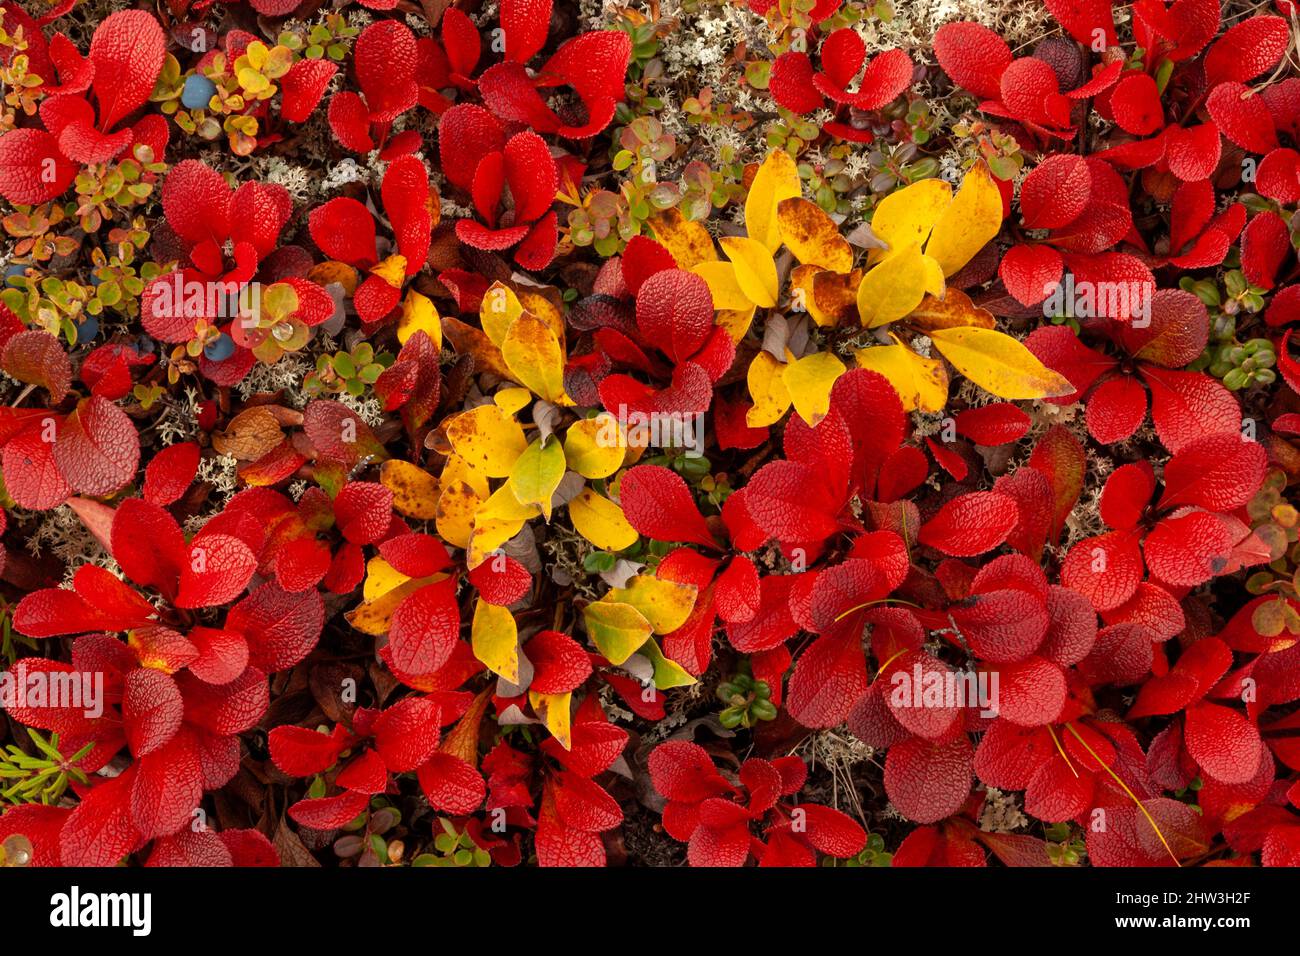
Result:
pixel 617 630
pixel 537 473
pixel 665 604
pixel 999 364
pixel 495 640
pixel 535 358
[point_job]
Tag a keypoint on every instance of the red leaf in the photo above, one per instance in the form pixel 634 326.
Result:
pixel 1115 409
pixel 658 504
pixel 828 678
pixel 344 229
pixel 36 357
pixel 971 524
pixel 1187 549
pixel 98 448
pixel 363 511
pixel 451 784
pixel 32 476
pixel 300 752
pixel 928 782
pixel 32 168
pixel 329 813
pixel 151 710
pixel 1216 472
pixel 167 787
pixel 559 663
pixel 1223 742
pixel 219 568
pixel 1127 494
pixel 1188 405
pixel 99 832
pixel 683 771
pixel 973 56
pixel 170 472
pixel 996 424
pixel 674 310
pixel 1246 50
pixel 1242 117
pixel 281 628
pixel 127 52
pixel 1135 102
pixel 303 87
pixel 407 733
pixel 425 628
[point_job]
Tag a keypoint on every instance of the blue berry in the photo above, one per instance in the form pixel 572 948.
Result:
pixel 220 348
pixel 198 91
pixel 88 329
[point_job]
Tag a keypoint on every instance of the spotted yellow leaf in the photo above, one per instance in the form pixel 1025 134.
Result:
pixel 688 241
pixel 415 491
pixel 488 439
pixel 535 358
pixel 554 710
pixel 811 235
pixel 498 311
pixel 665 604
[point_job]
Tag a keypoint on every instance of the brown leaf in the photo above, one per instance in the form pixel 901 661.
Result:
pixel 250 435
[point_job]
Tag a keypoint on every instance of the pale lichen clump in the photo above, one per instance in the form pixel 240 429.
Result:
pixel 1001 813
pixel 61 533
pixel 284 375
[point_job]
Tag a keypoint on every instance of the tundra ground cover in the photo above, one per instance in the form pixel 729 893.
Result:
pixel 530 433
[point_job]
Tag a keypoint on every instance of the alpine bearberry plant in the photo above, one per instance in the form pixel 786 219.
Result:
pixel 722 434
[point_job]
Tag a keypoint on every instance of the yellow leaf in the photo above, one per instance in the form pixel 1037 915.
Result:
pixel 970 221
pixel 458 469
pixel 381 577
pixel 495 640
pixel 419 315
pixel 488 439
pixel 537 474
pixel 601 521
pixel 553 709
pixel 892 289
pixel 595 447
pixel 665 604
pixel 535 358
pixel 330 271
pixel 809 381
pixel 755 270
pixel 415 491
pixel 908 215
pixel 999 364
pixel 723 285
pixel 488 536
pixel 811 235
pixel 455 516
pixel 617 630
pixel 511 400
pixel 921 383
pixel 468 340
pixel 953 310
pixel 541 304
pixel 736 321
pixel 776 179
pixel 667 672
pixel 392 270
pixel 767 391
pixel 688 241
pixel 498 311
